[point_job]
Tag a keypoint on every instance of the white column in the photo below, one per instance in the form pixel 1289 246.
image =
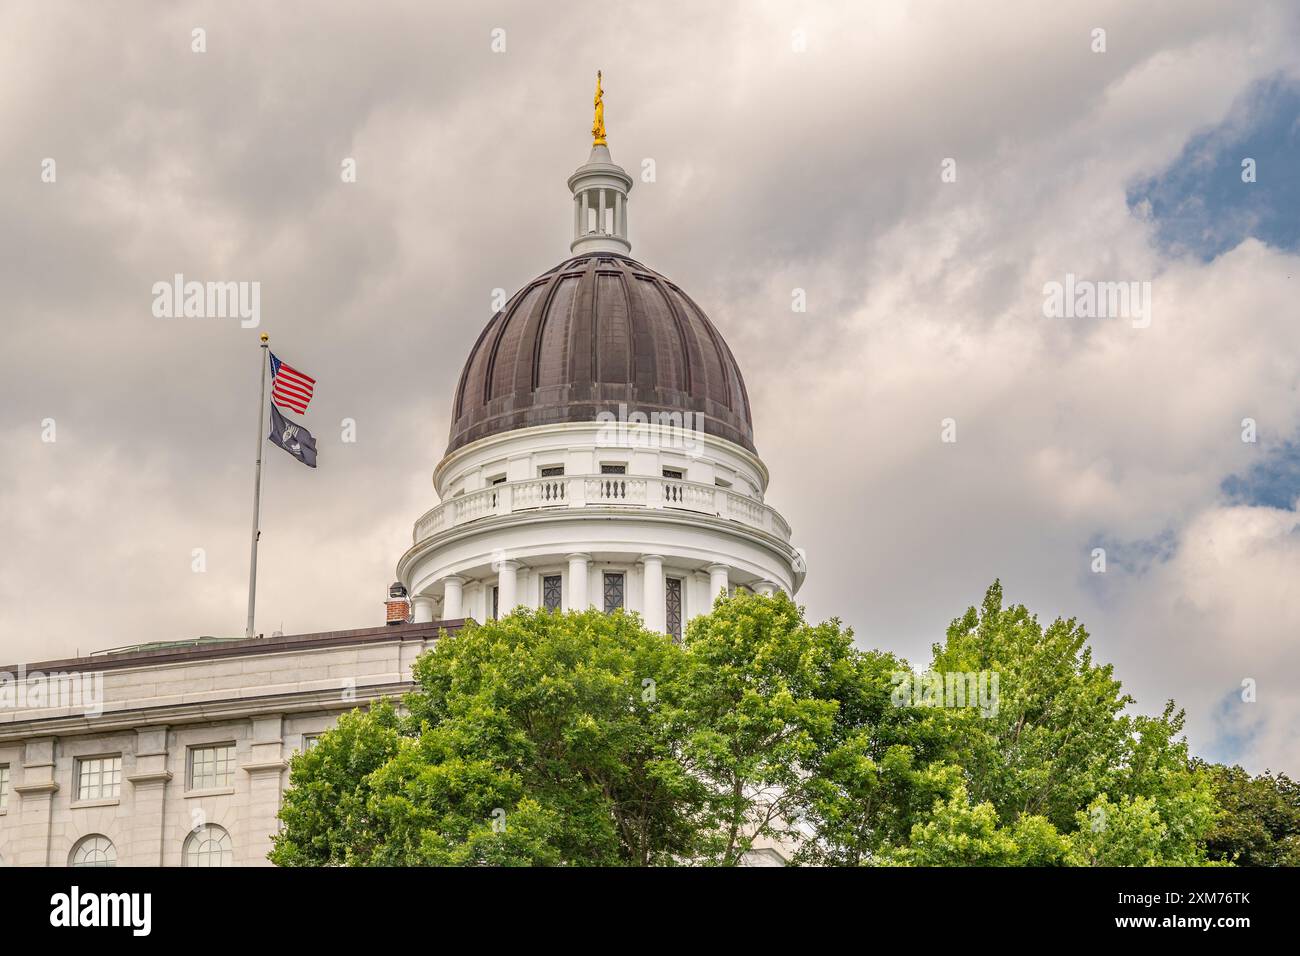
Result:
pixel 508 586
pixel 717 581
pixel 577 217
pixel 423 608
pixel 585 207
pixel 620 216
pixel 453 595
pixel 767 588
pixel 600 219
pixel 577 596
pixel 652 577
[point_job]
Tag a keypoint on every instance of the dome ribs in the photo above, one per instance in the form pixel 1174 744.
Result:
pixel 613 338
pixel 530 341
pixel 644 359
pixel 596 331
pixel 694 377
pixel 505 350
pixel 551 361
pixel 464 375
pixel 582 346
pixel 729 369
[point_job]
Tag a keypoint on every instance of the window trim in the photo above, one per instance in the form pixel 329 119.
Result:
pixel 613 468
pixel 680 633
pixel 199 833
pixel 82 841
pixel 191 749
pixel 543 578
pixel 97 801
pixel 6 784
pixel 604 590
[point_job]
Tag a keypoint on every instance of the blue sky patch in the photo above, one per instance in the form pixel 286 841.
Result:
pixel 1200 204
pixel 1272 482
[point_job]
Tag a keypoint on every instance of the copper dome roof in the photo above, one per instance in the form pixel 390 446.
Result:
pixel 597 331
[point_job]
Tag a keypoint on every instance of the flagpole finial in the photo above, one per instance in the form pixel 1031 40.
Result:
pixel 265 338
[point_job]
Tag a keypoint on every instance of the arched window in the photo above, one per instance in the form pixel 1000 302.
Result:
pixel 93 850
pixel 209 845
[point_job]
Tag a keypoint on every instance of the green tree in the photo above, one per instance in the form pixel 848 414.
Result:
pixel 1260 825
pixel 1051 771
pixel 536 739
pixel 583 739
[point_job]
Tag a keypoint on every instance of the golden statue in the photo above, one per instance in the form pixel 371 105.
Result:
pixel 598 126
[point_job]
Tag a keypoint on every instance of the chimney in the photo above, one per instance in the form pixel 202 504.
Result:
pixel 398 605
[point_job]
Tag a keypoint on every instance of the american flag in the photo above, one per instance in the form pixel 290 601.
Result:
pixel 290 388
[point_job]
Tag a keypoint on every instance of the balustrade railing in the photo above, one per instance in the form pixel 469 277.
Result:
pixel 603 491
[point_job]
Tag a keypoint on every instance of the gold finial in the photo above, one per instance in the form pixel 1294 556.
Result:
pixel 265 337
pixel 598 125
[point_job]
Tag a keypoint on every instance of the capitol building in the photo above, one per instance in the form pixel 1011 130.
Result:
pixel 601 454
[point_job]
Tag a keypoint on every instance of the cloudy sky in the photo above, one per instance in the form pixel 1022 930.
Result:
pixel 782 163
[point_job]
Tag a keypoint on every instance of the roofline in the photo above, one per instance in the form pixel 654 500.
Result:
pixel 261 645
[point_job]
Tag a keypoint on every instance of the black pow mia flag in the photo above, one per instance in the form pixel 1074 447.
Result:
pixel 293 438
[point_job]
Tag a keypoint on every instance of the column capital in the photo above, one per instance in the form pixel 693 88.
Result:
pixel 719 568
pixel 651 557
pixel 578 556
pixel 453 579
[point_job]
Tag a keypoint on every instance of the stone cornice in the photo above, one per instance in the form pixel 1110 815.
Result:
pixel 291 643
pixel 224 709
pixel 43 786
pixel 264 766
pixel 691 519
pixel 157 776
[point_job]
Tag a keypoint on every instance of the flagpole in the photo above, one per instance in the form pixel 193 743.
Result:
pixel 257 496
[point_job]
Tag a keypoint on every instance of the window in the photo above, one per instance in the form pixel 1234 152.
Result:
pixel 212 766
pixel 93 850
pixel 674 474
pixel 309 741
pixel 4 786
pixel 209 845
pixel 613 591
pixel 99 778
pixel 553 471
pixel 673 606
pixel 499 480
pixel 722 482
pixel 613 469
pixel 552 592
pixel 496 603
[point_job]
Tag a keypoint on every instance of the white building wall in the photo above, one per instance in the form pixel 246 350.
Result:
pixel 265 704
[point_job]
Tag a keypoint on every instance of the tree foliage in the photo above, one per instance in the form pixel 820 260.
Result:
pixel 584 739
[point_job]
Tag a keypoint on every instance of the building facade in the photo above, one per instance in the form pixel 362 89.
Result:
pixel 601 454
pixel 177 755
